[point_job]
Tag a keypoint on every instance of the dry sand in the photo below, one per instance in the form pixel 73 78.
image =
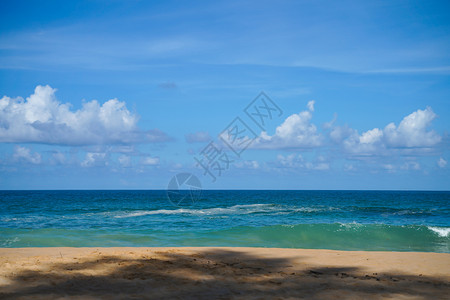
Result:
pixel 221 273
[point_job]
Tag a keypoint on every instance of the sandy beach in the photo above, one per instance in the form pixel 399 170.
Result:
pixel 221 273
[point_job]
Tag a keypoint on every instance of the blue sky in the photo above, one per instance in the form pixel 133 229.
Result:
pixel 125 95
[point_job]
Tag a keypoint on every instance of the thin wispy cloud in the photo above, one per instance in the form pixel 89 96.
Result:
pixel 331 42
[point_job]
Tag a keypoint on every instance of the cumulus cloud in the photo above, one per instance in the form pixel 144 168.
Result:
pixel 58 158
pixel 124 160
pixel 24 154
pixel 369 142
pixel 290 161
pixel 150 161
pixel 339 133
pixel 411 137
pixel 310 105
pixel 247 164
pixel 412 132
pixel 442 163
pixel 296 131
pixel 198 137
pixel 41 118
pixel 349 167
pixel 294 161
pixel 95 159
pixel 389 167
pixel 410 165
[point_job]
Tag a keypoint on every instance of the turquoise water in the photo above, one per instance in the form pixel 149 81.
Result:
pixel 341 220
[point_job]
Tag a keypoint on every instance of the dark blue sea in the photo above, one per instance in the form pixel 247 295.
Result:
pixel 341 220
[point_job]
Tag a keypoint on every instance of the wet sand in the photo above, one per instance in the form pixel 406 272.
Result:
pixel 221 273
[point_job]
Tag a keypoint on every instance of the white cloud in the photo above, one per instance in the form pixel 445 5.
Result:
pixel 150 161
pixel 294 161
pixel 371 136
pixel 318 166
pixel 41 118
pixel 296 131
pixel 370 142
pixel 198 137
pixel 442 163
pixel 58 158
pixel 24 154
pixel 410 165
pixel 247 164
pixel 177 166
pixel 290 160
pixel 310 105
pixel 124 160
pixel 411 133
pixel 349 167
pixel 330 124
pixel 389 167
pixel 339 133
pixel 413 136
pixel 94 159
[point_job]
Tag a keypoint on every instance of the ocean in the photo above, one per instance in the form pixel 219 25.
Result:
pixel 340 220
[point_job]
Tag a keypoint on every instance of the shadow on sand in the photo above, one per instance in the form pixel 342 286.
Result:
pixel 218 274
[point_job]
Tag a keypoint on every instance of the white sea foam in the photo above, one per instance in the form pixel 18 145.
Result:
pixel 442 232
pixel 9 242
pixel 5 220
pixel 316 209
pixel 232 210
pixel 236 209
pixel 352 225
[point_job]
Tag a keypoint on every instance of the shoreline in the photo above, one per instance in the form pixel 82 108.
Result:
pixel 210 247
pixel 221 272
